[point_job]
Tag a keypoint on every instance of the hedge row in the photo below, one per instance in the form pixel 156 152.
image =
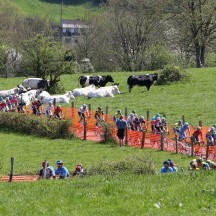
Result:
pixel 43 127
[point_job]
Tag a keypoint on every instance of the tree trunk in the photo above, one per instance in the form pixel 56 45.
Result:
pixel 198 55
pixel 202 55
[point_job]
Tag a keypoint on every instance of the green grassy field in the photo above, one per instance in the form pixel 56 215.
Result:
pixel 184 193
pixel 53 10
pixel 195 99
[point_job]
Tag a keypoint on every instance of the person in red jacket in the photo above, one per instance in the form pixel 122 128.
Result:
pixel 197 134
pixel 58 112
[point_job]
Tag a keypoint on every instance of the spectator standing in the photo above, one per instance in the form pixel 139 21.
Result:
pixel 121 125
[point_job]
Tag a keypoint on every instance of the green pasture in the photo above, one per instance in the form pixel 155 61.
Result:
pixel 52 9
pixel 195 98
pixel 184 193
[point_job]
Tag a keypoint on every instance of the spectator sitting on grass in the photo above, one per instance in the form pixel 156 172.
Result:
pixel 173 166
pixel 79 171
pixel 166 168
pixel 61 171
pixel 47 171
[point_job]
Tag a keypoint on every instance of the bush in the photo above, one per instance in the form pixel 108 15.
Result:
pixel 134 165
pixel 159 56
pixel 171 74
pixel 211 60
pixel 34 125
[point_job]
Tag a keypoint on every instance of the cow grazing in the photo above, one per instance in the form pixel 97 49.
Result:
pixel 100 81
pixel 141 80
pixel 83 91
pixel 35 83
pixel 59 98
pixel 108 91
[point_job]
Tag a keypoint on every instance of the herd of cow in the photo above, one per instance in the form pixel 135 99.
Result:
pixel 35 88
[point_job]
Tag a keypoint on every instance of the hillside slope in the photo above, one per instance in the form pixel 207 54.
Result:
pixel 52 9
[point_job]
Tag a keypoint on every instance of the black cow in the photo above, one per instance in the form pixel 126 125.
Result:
pixel 43 84
pixel 100 81
pixel 141 80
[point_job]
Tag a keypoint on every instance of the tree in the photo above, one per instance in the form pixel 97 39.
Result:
pixel 44 58
pixel 3 60
pixel 195 24
pixel 124 32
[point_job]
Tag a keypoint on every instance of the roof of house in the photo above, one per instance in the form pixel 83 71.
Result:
pixel 74 24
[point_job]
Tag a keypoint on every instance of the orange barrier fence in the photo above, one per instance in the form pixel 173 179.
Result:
pixel 137 139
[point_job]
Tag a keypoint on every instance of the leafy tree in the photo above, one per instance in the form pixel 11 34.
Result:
pixel 44 58
pixel 3 60
pixel 195 26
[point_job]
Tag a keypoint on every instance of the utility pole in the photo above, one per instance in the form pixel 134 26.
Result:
pixel 61 19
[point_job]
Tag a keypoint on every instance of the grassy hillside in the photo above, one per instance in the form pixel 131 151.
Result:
pixel 185 193
pixel 52 9
pixel 195 99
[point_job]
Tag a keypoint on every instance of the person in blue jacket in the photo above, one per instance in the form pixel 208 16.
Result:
pixel 167 168
pixel 61 171
pixel 121 125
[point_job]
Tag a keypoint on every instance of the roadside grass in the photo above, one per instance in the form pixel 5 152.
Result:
pixel 186 193
pixel 195 98
pixel 53 10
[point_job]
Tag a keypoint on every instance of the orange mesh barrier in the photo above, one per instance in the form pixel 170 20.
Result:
pixel 26 178
pixel 134 138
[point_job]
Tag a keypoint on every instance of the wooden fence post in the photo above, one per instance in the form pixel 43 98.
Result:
pixel 147 115
pixel 107 109
pixel 126 112
pixel 162 141
pixel 72 106
pixel 207 149
pixel 143 139
pixel 183 119
pixel 54 102
pixel 200 123
pixel 126 136
pixel 12 169
pixel 176 143
pixel 84 131
pixel 45 169
pixel 192 146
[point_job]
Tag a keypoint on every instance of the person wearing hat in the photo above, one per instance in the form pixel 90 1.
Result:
pixel 49 110
pixel 47 171
pixel 61 171
pixel 81 112
pixel 117 115
pixel 167 168
pixel 177 126
pixel 79 170
pixel 121 125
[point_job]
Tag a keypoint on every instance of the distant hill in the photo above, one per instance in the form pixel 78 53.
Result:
pixel 72 9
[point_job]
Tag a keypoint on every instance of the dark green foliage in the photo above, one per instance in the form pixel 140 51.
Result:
pixel 134 165
pixel 108 136
pixel 159 56
pixel 34 125
pixel 170 74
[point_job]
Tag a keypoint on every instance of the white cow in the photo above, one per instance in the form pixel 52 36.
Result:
pixel 43 94
pixel 24 97
pixel 107 91
pixel 83 91
pixel 35 83
pixel 65 98
pixel 6 93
